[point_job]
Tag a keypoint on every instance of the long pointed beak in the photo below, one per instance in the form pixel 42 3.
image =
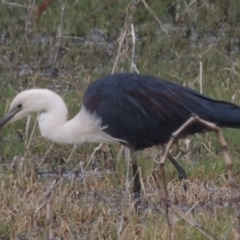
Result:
pixel 8 117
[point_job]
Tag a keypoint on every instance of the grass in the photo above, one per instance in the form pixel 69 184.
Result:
pixel 41 196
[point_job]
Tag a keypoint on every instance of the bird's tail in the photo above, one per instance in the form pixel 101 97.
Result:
pixel 221 113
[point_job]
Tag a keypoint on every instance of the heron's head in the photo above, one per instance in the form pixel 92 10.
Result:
pixel 27 102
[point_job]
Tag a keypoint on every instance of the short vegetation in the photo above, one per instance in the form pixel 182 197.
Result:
pixel 50 191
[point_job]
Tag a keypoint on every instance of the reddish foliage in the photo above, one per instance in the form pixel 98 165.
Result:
pixel 41 8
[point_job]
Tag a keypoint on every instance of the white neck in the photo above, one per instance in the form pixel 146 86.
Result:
pixel 82 128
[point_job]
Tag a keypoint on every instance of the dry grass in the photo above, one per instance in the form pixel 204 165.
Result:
pixel 72 210
pixel 89 204
pixel 45 196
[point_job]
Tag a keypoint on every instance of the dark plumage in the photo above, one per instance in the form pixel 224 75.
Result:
pixel 145 111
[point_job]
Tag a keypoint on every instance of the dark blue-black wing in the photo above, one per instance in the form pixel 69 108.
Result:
pixel 145 111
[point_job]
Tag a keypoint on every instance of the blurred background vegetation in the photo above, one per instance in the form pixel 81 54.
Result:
pixel 72 43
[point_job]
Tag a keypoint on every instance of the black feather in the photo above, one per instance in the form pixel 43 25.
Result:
pixel 145 111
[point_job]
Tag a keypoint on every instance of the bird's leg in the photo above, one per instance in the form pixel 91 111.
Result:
pixel 181 172
pixel 136 185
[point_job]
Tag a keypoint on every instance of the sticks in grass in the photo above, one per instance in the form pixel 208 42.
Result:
pixel 159 176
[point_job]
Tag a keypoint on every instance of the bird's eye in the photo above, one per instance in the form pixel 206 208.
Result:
pixel 19 106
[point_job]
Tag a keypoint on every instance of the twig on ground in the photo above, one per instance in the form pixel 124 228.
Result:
pixel 154 15
pixel 133 65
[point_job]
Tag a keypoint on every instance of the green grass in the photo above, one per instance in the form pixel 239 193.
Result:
pixel 205 31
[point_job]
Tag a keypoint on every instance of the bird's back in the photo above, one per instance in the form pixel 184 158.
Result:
pixel 144 110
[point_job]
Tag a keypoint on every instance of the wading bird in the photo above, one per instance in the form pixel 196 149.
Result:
pixel 137 111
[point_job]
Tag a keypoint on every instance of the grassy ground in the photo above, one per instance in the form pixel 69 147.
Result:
pixel 45 196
